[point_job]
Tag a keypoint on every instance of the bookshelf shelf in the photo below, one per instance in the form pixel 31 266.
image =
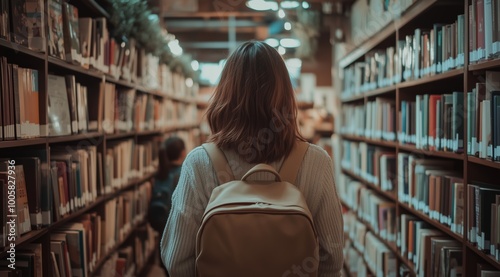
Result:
pixel 486 257
pixel 120 135
pixel 380 91
pixel 433 222
pixel 74 68
pixel 122 83
pixel 354 98
pixel 383 143
pixel 441 154
pixel 21 49
pixel 435 78
pixel 26 238
pixel 485 162
pixel 22 142
pixel 485 65
pixel 386 194
pixel 71 138
pixel 94 7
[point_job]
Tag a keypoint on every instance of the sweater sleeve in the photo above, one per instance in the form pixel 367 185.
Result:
pixel 329 224
pixel 178 243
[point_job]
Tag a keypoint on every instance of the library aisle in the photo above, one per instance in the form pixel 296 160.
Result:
pixel 101 100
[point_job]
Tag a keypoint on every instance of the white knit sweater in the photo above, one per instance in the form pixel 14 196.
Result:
pixel 198 179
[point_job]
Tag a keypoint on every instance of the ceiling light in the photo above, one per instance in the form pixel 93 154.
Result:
pixel 288 26
pixel 289 4
pixel 195 65
pixel 305 5
pixel 281 13
pixel 281 50
pixel 272 42
pixel 290 42
pixel 262 5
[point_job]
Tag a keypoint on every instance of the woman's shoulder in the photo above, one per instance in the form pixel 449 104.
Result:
pixel 317 153
pixel 196 157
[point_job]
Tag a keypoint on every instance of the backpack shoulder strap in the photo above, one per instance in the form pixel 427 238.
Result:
pixel 292 162
pixel 220 164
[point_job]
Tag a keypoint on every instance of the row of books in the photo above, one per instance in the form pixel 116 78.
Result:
pixel 28 262
pixel 378 257
pixel 126 160
pixel 74 179
pixel 368 18
pixel 375 211
pixel 483 217
pixel 87 42
pixel 373 164
pixel 132 256
pixel 484 29
pixel 433 51
pixel 434 187
pixel 374 120
pixel 19 93
pixel 381 68
pixel 71 110
pixel 426 52
pixel 430 251
pixel 483 118
pixel 433 122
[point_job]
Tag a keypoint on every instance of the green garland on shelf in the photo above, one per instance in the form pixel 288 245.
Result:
pixel 133 19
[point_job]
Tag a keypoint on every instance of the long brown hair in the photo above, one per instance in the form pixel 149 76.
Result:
pixel 253 109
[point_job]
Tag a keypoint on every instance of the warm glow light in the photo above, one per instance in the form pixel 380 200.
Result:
pixel 305 5
pixel 175 48
pixel 189 82
pixel 290 42
pixel 262 5
pixel 289 4
pixel 288 26
pixel 281 50
pixel 272 42
pixel 195 65
pixel 281 13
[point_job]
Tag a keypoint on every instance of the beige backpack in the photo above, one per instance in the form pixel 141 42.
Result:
pixel 257 228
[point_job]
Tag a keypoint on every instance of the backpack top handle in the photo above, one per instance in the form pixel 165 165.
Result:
pixel 262 168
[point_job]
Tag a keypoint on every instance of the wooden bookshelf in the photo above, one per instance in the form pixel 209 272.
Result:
pixel 92 79
pixel 423 14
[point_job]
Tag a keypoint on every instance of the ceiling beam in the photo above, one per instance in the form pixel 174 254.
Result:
pixel 212 14
pixel 209 45
pixel 207 24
